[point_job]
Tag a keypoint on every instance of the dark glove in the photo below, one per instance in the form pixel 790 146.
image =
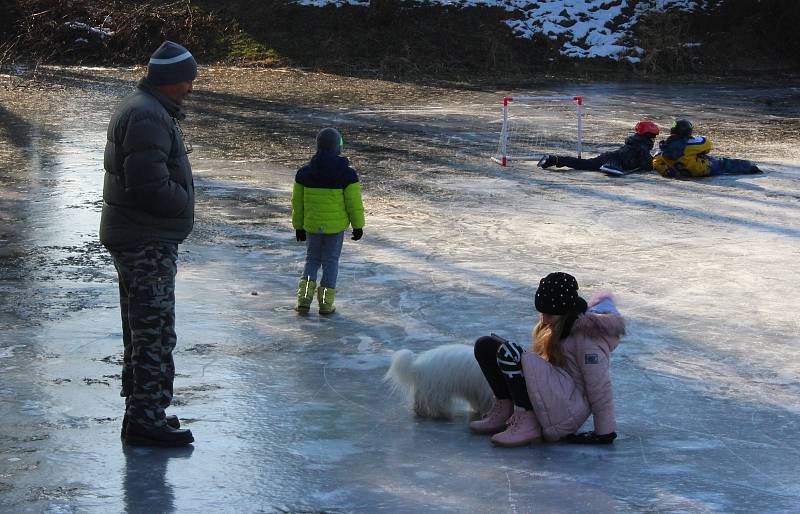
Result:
pixel 590 438
pixel 300 234
pixel 357 233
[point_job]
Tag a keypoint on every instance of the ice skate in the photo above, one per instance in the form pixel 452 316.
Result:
pixel 547 161
pixel 614 170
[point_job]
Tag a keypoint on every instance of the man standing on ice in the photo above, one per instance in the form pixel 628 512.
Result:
pixel 148 209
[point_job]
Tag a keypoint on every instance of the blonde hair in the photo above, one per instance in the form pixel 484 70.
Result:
pixel 547 340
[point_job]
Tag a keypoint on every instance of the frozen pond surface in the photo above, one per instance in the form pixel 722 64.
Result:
pixel 290 413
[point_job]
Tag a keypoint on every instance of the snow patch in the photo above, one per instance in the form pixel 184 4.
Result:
pixel 101 32
pixel 586 28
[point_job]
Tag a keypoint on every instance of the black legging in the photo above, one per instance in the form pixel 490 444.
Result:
pixel 499 361
pixel 585 164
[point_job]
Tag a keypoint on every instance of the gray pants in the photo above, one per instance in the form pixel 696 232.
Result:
pixel 147 303
pixel 323 250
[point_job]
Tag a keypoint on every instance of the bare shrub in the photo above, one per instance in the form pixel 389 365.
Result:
pixel 106 31
pixel 666 38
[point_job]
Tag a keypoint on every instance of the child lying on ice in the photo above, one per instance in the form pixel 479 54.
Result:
pixel 634 155
pixel 682 155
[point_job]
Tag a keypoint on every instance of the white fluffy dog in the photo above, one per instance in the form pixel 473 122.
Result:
pixel 437 377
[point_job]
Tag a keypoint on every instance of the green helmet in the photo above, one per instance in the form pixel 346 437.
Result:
pixel 681 128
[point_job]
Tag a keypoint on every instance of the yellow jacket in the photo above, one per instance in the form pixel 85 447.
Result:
pixel 326 197
pixel 683 157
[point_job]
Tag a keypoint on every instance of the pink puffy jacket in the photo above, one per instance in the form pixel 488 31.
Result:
pixel 563 398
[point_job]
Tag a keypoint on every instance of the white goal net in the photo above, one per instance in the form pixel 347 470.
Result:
pixel 537 125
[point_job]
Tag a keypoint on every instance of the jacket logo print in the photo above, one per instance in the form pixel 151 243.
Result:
pixel 591 358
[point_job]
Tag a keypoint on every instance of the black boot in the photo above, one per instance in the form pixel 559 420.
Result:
pixel 547 161
pixel 172 421
pixel 166 436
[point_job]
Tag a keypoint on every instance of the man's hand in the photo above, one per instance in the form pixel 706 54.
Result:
pixel 357 233
pixel 300 234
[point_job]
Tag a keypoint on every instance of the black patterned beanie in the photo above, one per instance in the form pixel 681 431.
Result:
pixel 558 295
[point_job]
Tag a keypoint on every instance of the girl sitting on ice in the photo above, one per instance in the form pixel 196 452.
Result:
pixel 563 380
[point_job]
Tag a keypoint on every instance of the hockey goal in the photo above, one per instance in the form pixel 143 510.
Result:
pixel 537 125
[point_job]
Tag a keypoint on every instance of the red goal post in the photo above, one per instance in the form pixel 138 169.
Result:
pixel 537 125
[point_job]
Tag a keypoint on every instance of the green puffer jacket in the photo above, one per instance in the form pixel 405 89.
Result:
pixel 327 196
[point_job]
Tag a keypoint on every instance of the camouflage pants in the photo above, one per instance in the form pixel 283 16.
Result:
pixel 147 303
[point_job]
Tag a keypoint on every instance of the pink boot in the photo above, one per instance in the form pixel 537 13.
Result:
pixel 495 420
pixel 523 429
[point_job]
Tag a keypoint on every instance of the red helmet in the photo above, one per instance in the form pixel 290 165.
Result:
pixel 645 127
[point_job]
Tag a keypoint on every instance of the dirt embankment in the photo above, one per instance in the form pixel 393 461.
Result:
pixel 394 38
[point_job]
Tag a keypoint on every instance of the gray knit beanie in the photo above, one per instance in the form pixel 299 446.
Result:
pixel 171 64
pixel 330 139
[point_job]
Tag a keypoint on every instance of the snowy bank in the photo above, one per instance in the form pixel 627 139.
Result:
pixel 585 28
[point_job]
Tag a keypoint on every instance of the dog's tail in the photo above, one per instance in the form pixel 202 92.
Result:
pixel 401 372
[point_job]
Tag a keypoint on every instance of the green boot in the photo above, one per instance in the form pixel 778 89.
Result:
pixel 305 294
pixel 325 298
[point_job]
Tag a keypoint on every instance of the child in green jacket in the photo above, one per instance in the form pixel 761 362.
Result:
pixel 325 201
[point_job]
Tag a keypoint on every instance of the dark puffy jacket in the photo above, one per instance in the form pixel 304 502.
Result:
pixel 148 191
pixel 635 153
